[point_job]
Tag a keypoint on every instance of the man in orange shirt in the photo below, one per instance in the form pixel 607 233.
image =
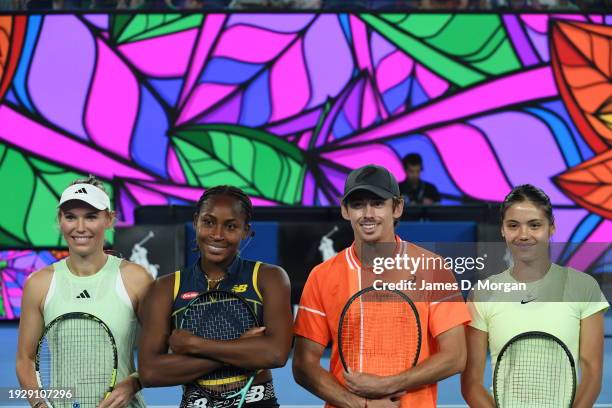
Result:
pixel 372 203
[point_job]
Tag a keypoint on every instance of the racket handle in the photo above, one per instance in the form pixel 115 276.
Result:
pixel 247 387
pixel 112 387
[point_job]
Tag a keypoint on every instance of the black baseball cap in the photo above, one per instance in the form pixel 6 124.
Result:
pixel 372 178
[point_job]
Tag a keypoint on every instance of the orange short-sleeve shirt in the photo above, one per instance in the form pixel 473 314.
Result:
pixel 330 285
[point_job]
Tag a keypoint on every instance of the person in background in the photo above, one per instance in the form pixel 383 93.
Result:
pixel 414 189
pixel 443 4
pixel 7 5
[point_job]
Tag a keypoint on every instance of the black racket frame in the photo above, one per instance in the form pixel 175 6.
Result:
pixel 541 335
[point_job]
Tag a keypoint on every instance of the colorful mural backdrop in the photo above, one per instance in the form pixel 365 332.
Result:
pixel 285 105
pixel 15 266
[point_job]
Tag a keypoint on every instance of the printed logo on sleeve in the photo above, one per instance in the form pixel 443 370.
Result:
pixel 189 295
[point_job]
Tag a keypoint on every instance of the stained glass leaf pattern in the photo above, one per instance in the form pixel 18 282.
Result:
pixel 6 33
pixel 327 93
pixel 590 184
pixel 6 29
pixel 581 60
pixel 283 73
pixel 135 27
pixel 15 267
pixel 30 216
pixel 259 163
pixel 464 49
pixel 12 32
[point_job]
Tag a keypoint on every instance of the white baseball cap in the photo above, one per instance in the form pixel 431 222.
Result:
pixel 92 195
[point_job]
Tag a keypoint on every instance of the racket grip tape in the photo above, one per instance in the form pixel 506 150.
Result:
pixel 112 384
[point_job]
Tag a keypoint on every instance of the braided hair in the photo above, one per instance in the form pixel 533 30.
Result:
pixel 230 191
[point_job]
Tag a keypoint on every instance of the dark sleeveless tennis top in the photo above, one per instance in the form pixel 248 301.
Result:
pixel 241 279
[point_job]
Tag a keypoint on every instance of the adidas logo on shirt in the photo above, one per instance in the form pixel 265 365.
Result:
pixel 81 191
pixel 84 295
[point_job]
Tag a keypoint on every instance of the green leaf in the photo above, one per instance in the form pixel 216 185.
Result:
pixel 462 48
pixel 118 24
pixel 9 241
pixel 261 164
pixel 30 216
pixel 2 311
pixel 143 26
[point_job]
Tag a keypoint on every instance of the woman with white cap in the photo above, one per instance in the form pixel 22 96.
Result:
pixel 90 281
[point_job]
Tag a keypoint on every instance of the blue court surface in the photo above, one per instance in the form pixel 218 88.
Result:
pixel 289 393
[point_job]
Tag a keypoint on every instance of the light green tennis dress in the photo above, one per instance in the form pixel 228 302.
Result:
pixel 104 296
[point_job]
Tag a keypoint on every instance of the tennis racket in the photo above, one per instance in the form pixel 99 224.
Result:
pixel 534 370
pixel 77 352
pixel 379 332
pixel 221 315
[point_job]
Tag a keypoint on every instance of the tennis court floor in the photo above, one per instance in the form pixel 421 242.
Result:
pixel 290 395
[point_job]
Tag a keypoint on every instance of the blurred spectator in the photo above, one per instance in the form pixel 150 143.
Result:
pixel 9 5
pixel 285 4
pixel 414 189
pixel 444 4
pixel 588 5
pixel 332 5
pixel 535 4
pixel 355 6
pixel 595 5
pixel 149 4
pixel 215 4
pixel 39 5
pixel 71 4
pixel 104 4
pixel 247 4
pixel 392 5
pixel 307 4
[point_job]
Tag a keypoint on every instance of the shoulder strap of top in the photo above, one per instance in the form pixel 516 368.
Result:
pixel 255 276
pixel 177 284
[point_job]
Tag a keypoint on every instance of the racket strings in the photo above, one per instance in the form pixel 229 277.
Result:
pixel 220 316
pixel 534 372
pixel 77 354
pixel 379 334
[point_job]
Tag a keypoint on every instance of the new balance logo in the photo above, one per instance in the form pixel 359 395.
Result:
pixel 240 288
pixel 83 295
pixel 81 191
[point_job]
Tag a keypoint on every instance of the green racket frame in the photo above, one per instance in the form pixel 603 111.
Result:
pixel 78 315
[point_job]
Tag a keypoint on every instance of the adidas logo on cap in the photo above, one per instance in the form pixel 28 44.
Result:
pixel 88 193
pixel 84 295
